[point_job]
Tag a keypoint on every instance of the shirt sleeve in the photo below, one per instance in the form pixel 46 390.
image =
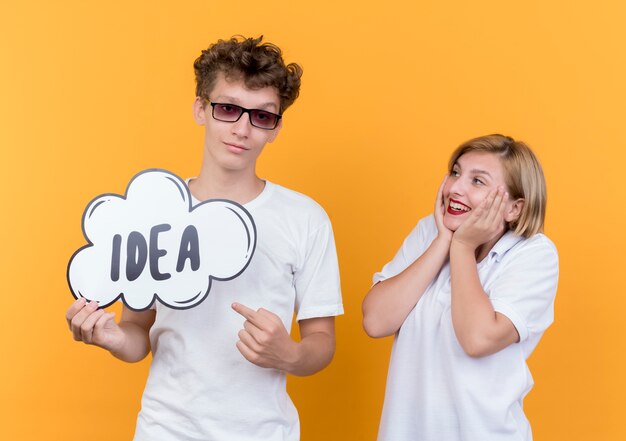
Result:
pixel 418 240
pixel 317 284
pixel 525 289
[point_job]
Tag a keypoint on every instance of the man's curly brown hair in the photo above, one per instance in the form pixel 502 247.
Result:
pixel 258 64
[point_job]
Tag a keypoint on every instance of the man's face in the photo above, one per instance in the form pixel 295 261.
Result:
pixel 235 146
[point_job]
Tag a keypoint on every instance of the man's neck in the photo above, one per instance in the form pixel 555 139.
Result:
pixel 240 186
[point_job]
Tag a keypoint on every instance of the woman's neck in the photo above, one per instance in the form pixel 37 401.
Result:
pixel 483 250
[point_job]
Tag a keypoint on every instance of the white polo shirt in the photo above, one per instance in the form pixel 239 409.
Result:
pixel 436 392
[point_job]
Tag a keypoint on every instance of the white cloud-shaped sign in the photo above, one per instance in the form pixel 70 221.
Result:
pixel 153 244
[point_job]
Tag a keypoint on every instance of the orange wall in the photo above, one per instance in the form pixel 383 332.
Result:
pixel 92 92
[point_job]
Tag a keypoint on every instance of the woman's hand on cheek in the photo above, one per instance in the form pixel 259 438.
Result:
pixel 485 222
pixel 444 233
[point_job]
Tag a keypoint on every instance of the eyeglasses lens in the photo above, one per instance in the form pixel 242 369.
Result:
pixel 232 113
pixel 264 120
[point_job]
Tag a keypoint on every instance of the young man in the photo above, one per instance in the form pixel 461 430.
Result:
pixel 219 369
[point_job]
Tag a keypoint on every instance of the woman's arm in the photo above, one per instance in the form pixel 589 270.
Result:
pixel 479 328
pixel 389 302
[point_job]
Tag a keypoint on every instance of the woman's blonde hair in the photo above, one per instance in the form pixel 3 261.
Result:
pixel 523 176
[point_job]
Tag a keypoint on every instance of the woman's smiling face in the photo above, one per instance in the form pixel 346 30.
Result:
pixel 473 176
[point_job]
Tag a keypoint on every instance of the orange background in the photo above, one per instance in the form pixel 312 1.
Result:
pixel 93 92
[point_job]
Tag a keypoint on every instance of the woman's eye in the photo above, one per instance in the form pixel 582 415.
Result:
pixel 478 181
pixel 262 116
pixel 455 173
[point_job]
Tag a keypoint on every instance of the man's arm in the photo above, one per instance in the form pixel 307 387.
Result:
pixel 317 345
pixel 265 341
pixel 129 340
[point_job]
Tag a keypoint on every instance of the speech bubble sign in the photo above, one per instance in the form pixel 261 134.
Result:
pixel 154 244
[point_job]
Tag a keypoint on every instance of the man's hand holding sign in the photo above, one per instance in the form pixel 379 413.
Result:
pixel 127 340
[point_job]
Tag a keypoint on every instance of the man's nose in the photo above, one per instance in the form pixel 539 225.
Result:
pixel 242 126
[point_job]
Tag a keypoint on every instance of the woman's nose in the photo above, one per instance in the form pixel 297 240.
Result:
pixel 456 185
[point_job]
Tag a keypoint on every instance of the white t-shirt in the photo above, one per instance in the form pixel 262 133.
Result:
pixel 436 392
pixel 200 387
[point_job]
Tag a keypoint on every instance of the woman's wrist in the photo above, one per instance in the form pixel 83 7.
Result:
pixel 458 245
pixel 442 243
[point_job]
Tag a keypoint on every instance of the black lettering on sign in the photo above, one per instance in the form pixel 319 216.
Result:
pixel 138 253
pixel 115 258
pixel 156 253
pixel 189 249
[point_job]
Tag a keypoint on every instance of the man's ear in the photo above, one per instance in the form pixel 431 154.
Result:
pixel 514 211
pixel 199 111
pixel 275 131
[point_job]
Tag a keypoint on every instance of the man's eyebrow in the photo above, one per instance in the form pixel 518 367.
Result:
pixel 236 101
pixel 268 105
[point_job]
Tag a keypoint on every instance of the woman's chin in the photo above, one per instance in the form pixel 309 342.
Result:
pixel 451 224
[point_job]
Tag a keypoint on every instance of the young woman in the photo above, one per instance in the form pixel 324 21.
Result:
pixel 468 296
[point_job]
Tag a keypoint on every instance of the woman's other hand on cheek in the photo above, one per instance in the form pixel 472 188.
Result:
pixel 486 223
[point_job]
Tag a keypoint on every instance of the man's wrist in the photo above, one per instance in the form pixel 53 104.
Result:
pixel 293 358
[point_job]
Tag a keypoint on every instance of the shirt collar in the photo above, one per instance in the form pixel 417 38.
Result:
pixel 506 242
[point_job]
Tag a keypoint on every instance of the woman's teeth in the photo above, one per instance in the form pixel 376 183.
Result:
pixel 458 207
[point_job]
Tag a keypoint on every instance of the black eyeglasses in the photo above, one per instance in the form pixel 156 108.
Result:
pixel 231 113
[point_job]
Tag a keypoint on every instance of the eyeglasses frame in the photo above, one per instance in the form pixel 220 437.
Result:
pixel 243 110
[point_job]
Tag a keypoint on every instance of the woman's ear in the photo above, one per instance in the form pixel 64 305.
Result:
pixel 514 210
pixel 199 111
